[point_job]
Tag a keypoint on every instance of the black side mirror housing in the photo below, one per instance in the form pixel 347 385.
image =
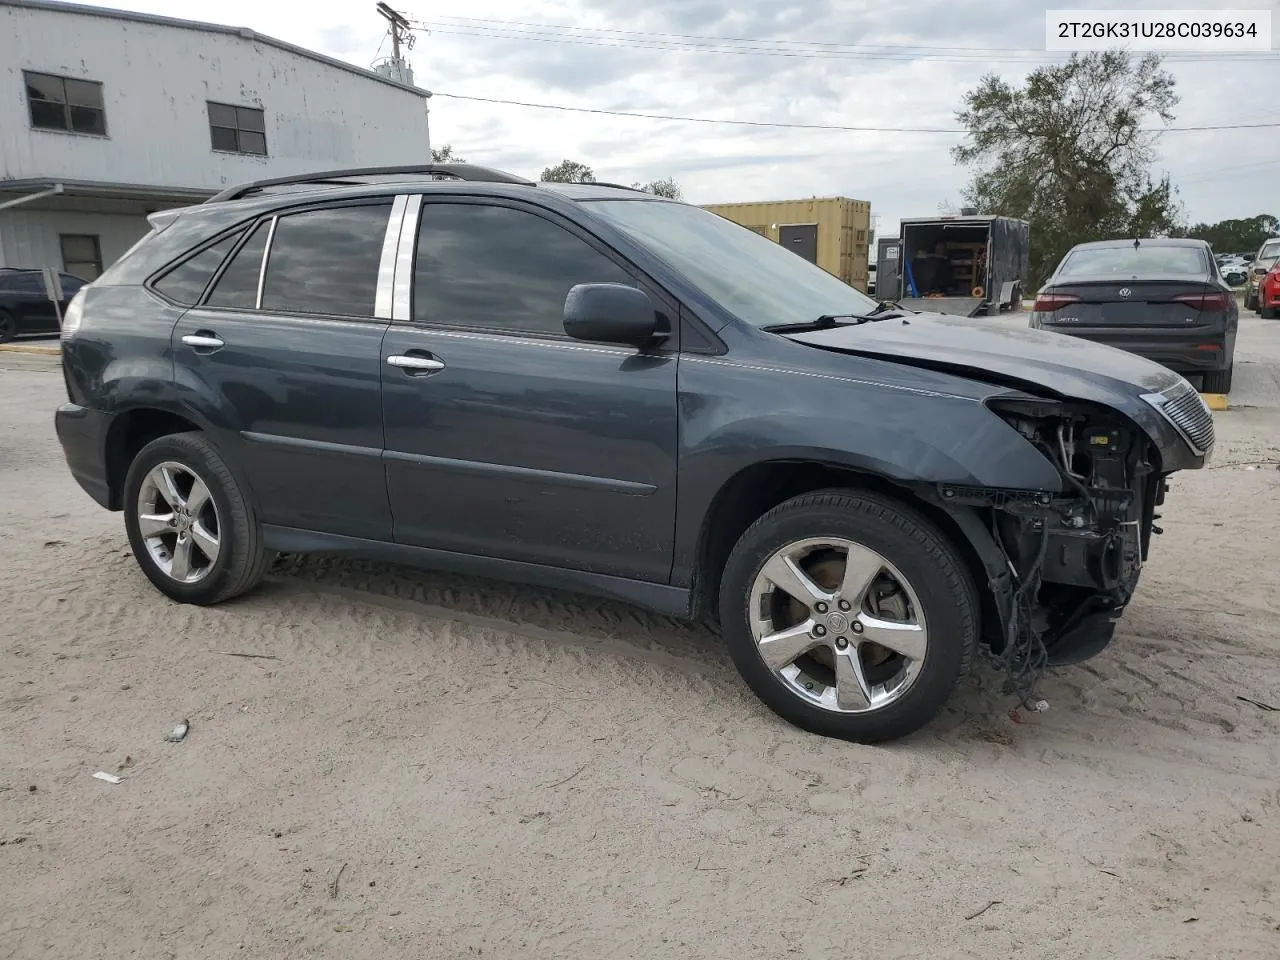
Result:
pixel 610 313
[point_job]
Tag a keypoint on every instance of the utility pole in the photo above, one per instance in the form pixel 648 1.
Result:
pixel 400 31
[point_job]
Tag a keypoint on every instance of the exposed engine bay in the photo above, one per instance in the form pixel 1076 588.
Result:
pixel 1072 559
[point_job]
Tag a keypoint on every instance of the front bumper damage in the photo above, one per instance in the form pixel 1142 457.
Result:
pixel 1062 565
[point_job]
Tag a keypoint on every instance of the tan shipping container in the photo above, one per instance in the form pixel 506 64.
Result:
pixel 833 232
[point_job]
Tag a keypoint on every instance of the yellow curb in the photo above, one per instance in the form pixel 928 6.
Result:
pixel 31 348
pixel 1216 401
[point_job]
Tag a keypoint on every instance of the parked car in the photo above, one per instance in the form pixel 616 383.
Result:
pixel 1269 292
pixel 24 306
pixel 1234 274
pixel 1264 261
pixel 592 388
pixel 1233 268
pixel 1162 299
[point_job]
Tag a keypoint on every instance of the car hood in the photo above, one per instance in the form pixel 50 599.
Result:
pixel 1036 361
pixel 1001 352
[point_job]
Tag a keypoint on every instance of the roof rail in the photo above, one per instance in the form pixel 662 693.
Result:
pixel 459 171
pixel 616 186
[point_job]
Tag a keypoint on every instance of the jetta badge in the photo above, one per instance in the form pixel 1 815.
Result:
pixel 1125 291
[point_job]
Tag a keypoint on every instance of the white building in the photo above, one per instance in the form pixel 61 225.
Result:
pixel 107 115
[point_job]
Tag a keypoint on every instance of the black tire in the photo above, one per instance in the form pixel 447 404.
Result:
pixel 915 547
pixel 8 326
pixel 241 560
pixel 1218 381
pixel 1267 313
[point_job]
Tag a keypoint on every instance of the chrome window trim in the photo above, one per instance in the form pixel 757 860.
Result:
pixel 266 255
pixel 384 298
pixel 402 290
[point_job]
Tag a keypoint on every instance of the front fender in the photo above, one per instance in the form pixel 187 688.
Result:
pixel 731 422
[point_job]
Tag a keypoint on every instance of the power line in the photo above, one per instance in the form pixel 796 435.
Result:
pixel 664 116
pixel 792 125
pixel 1207 174
pixel 692 36
pixel 740 46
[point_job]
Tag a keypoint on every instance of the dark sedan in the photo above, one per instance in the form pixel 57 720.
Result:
pixel 1162 299
pixel 24 306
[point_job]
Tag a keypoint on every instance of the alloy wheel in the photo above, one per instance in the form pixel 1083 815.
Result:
pixel 178 522
pixel 838 624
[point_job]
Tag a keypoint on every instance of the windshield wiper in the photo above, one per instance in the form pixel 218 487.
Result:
pixel 829 320
pixel 885 306
pixel 824 322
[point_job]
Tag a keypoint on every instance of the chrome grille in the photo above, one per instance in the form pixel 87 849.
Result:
pixel 1183 407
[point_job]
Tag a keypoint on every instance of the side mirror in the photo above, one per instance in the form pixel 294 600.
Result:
pixel 610 313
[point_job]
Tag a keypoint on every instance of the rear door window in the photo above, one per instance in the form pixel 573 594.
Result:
pixel 237 288
pixel 326 261
pixel 186 282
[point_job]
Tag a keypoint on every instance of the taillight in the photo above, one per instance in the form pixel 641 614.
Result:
pixel 1049 302
pixel 1213 302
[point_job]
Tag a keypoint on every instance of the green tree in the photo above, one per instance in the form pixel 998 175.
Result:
pixel 445 154
pixel 1071 151
pixel 1237 236
pixel 568 171
pixel 666 187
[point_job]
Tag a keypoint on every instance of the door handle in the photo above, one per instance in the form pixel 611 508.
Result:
pixel 411 364
pixel 206 340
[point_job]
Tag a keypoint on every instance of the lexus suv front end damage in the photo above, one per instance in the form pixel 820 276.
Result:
pixel 592 388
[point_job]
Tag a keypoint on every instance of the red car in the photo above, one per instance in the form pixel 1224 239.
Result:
pixel 1269 293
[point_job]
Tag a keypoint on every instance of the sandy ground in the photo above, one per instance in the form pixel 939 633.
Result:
pixel 434 766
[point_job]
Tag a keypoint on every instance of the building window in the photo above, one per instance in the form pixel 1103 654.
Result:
pixel 64 103
pixel 81 255
pixel 237 129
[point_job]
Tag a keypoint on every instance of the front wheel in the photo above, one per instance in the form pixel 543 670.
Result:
pixel 193 531
pixel 850 615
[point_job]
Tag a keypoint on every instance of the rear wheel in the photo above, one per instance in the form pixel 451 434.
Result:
pixel 8 326
pixel 193 532
pixel 1218 381
pixel 849 615
pixel 1267 313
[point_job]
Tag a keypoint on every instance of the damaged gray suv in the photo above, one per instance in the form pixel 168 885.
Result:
pixel 590 388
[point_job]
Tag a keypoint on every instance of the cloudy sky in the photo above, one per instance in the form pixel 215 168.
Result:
pixel 862 63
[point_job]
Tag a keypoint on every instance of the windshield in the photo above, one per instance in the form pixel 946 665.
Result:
pixel 1269 253
pixel 1156 261
pixel 750 275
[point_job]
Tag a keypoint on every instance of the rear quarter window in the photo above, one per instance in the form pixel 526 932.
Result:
pixel 186 282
